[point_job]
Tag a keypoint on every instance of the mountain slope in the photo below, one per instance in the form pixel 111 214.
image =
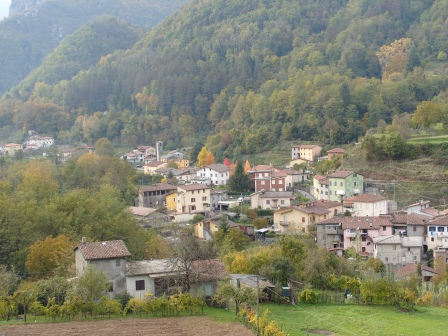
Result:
pixel 36 28
pixel 243 75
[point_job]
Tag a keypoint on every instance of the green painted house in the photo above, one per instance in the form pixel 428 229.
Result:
pixel 343 184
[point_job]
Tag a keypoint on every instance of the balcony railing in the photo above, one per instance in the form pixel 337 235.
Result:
pixel 438 234
pixel 284 223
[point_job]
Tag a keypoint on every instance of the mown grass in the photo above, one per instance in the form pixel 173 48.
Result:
pixel 359 320
pixel 433 140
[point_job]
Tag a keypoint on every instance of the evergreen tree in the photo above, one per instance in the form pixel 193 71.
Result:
pixel 240 180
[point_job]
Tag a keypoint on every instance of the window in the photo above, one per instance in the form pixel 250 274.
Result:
pixel 303 219
pixel 432 229
pixel 204 198
pixel 110 287
pixel 414 228
pixel 384 228
pixel 394 247
pixel 118 262
pixel 354 183
pixel 268 202
pixel 193 200
pixel 440 229
pixel 409 249
pixel 282 202
pixel 263 182
pixel 280 181
pixel 139 285
pixel 387 259
pixel 341 184
pixel 193 208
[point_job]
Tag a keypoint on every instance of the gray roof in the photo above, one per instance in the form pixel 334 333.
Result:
pixel 219 167
pixel 152 267
pixel 273 194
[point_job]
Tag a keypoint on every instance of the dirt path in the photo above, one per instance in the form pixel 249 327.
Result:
pixel 175 326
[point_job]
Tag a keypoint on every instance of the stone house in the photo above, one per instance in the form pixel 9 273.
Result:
pixel 155 195
pixel 398 250
pixel 109 257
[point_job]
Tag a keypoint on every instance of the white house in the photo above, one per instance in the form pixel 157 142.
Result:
pixel 218 173
pixel 271 199
pixel 40 142
pixel 366 205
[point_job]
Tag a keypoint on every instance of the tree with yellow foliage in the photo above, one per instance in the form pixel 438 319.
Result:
pixel 247 166
pixel 50 257
pixel 202 157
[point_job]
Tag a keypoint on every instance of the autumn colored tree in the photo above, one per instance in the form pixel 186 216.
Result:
pixel 247 166
pixel 427 113
pixel 210 159
pixel 50 257
pixel 39 181
pixel 202 157
pixel 227 162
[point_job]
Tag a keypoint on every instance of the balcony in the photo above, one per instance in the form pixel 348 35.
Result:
pixel 438 234
pixel 282 223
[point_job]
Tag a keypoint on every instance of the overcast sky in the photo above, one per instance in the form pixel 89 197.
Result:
pixel 4 8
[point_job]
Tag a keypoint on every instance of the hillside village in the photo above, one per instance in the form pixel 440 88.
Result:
pixel 341 212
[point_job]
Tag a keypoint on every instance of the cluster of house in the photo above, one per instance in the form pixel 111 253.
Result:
pixel 34 141
pixel 155 276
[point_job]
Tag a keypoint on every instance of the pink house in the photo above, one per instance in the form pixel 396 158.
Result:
pixel 357 232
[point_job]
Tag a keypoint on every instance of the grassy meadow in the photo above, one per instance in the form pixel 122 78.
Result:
pixel 359 320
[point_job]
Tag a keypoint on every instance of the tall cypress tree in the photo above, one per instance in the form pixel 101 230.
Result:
pixel 239 182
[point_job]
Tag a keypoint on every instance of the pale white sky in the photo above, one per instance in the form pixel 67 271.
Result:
pixel 4 8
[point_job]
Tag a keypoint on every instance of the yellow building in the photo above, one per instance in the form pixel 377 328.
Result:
pixel 12 148
pixel 171 202
pixel 206 229
pixel 298 218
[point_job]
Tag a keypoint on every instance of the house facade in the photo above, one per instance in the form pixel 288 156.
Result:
pixel 398 250
pixel 320 188
pixel 193 198
pixel 437 233
pixel 366 205
pixel 109 257
pixel 151 167
pixel 271 199
pixel 267 178
pixel 155 195
pixel 218 173
pixel 358 232
pixel 40 142
pixel 343 184
pixel 307 152
pixel 12 148
pixel 335 152
pixel 298 218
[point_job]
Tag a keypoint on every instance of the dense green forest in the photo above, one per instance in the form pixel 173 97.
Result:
pixel 240 76
pixel 32 32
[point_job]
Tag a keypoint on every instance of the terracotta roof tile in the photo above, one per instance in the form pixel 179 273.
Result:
pixel 361 222
pixel 340 174
pixel 103 250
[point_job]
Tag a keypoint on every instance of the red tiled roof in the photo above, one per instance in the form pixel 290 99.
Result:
pixel 103 250
pixel 410 269
pixel 336 151
pixel 340 174
pixel 365 198
pixel 412 219
pixel 439 221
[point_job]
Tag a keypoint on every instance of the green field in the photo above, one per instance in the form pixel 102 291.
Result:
pixel 433 140
pixel 359 320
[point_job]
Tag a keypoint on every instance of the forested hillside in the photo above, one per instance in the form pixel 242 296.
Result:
pixel 35 28
pixel 242 75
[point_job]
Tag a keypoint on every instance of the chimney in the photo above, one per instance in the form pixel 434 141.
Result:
pixel 84 240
